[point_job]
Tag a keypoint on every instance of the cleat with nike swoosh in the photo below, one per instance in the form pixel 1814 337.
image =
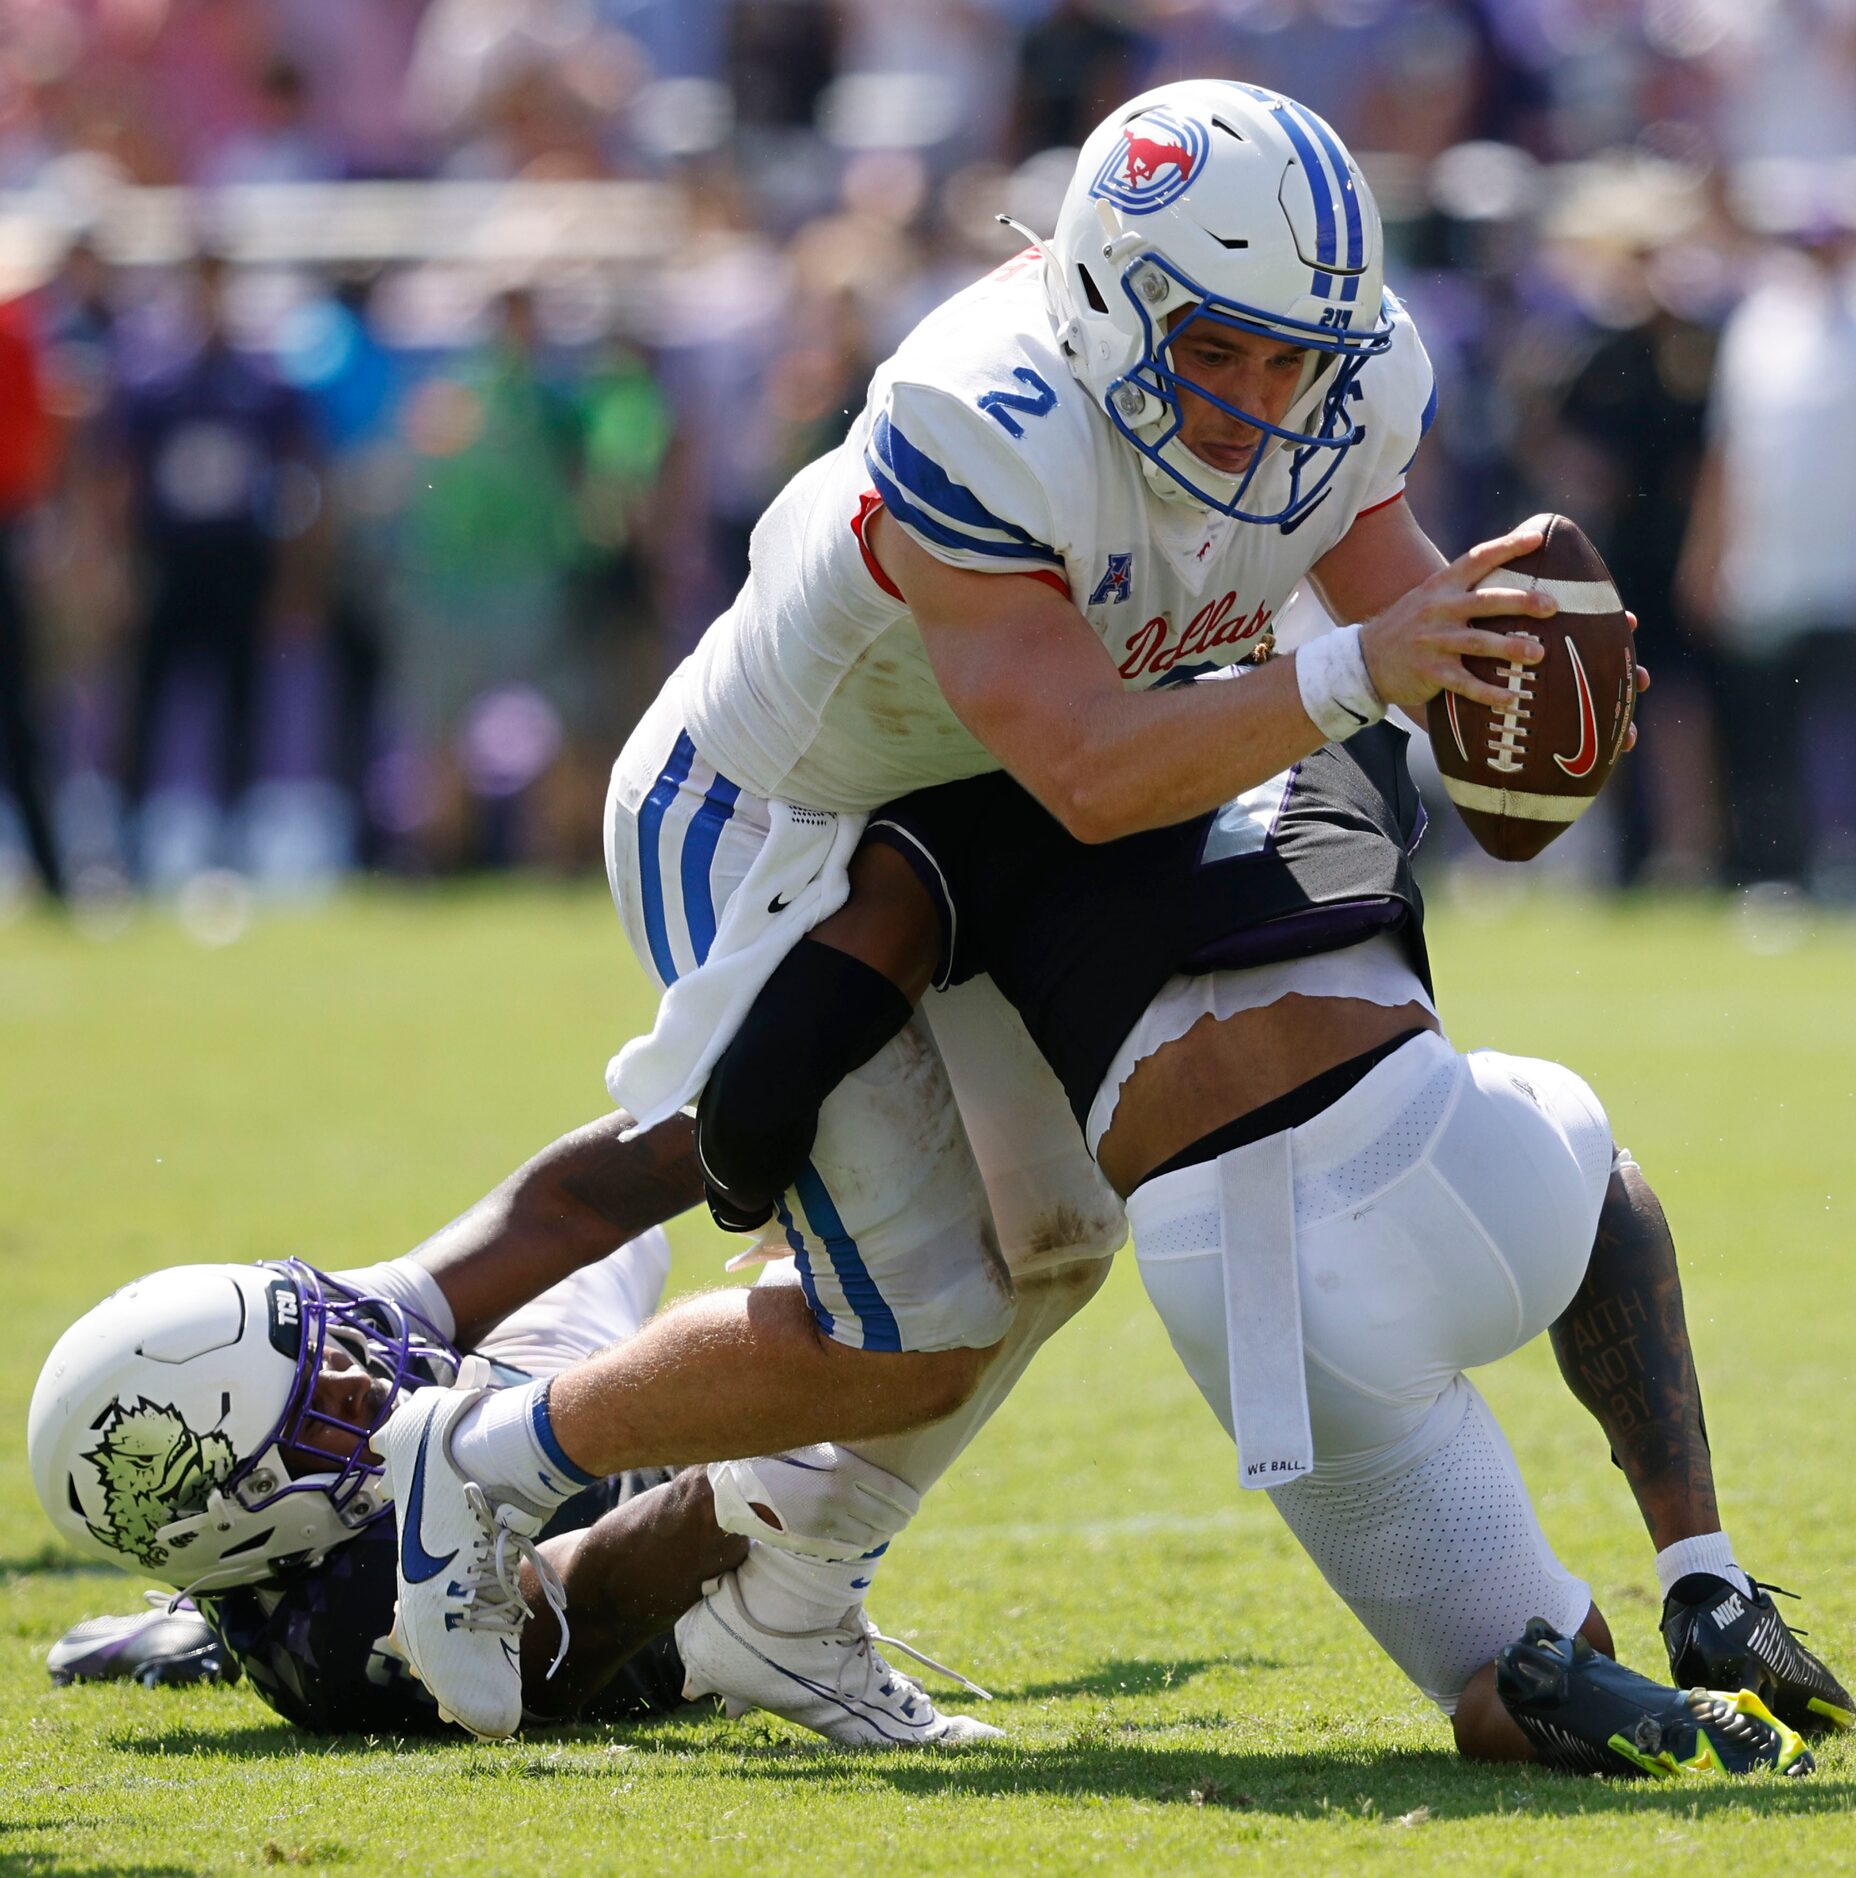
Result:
pixel 1583 1713
pixel 1716 1634
pixel 836 1682
pixel 459 1621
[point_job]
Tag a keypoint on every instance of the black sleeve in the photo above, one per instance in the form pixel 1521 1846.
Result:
pixel 819 1016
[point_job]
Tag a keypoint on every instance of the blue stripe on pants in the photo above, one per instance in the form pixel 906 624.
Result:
pixel 804 1263
pixel 650 875
pixel 699 844
pixel 859 1288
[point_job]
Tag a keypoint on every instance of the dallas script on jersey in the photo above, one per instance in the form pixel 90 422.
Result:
pixel 1218 623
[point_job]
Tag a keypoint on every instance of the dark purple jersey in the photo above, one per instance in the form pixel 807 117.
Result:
pixel 1080 938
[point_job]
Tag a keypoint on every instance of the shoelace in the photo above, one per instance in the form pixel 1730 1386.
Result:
pixel 1761 1584
pixel 493 1597
pixel 1764 1584
pixel 865 1649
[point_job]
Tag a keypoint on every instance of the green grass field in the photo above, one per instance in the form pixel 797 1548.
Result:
pixel 1181 1691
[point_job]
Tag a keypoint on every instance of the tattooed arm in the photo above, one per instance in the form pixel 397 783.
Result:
pixel 1623 1348
pixel 573 1203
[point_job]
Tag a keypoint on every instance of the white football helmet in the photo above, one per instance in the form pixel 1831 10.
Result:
pixel 166 1429
pixel 1243 206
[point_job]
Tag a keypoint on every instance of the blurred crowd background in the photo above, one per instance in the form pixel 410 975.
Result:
pixel 388 388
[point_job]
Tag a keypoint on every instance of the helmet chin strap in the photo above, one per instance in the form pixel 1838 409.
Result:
pixel 216 1512
pixel 1167 486
pixel 1119 242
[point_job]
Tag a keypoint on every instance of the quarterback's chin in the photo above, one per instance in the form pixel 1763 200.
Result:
pixel 1224 459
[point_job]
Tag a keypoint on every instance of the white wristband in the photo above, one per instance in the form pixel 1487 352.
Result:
pixel 1337 690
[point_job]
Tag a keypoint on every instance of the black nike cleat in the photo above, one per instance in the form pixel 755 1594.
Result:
pixel 1586 1714
pixel 1717 1635
pixel 158 1648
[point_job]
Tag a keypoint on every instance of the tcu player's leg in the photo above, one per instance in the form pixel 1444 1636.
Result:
pixel 1437 1214
pixel 1623 1348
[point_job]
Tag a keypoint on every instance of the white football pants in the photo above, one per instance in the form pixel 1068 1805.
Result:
pixel 947 1169
pixel 949 1200
pixel 1444 1210
pixel 586 1312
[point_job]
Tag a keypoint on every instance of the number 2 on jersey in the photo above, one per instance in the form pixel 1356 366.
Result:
pixel 1034 401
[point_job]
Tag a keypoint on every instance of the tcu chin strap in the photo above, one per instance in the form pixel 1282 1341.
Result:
pixel 1220 204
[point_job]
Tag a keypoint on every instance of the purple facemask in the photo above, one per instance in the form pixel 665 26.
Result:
pixel 391 1342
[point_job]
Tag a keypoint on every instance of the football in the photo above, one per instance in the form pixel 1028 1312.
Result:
pixel 1521 774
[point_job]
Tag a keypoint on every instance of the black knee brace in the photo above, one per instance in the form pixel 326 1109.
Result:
pixel 821 1015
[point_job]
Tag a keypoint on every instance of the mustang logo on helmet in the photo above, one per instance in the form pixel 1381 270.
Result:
pixel 1159 154
pixel 153 1468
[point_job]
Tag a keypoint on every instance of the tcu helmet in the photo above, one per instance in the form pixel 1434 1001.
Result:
pixel 168 1429
pixel 1238 206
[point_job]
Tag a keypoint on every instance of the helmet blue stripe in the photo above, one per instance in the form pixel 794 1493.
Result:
pixel 1319 188
pixel 1343 182
pixel 1356 245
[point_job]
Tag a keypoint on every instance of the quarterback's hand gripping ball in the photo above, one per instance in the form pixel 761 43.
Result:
pixel 1523 772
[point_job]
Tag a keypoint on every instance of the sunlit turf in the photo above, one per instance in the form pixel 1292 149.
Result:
pixel 1181 1691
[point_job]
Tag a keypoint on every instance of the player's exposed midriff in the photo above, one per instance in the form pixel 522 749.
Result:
pixel 1220 1071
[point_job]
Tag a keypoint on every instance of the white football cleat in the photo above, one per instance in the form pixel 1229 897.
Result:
pixel 459 1621
pixel 834 1682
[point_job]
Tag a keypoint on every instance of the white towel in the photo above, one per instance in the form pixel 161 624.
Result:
pixel 1263 1313
pixel 800 876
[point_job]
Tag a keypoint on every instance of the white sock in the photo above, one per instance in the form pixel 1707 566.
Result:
pixel 788 1591
pixel 506 1444
pixel 1706 1552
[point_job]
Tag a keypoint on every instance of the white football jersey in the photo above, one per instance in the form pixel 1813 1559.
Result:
pixel 815 687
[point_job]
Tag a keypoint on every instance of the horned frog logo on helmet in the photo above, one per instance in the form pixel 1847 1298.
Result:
pixel 153 1467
